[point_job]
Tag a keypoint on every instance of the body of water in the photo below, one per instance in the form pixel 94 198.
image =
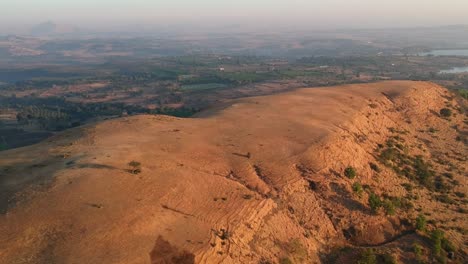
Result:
pixel 456 70
pixel 446 52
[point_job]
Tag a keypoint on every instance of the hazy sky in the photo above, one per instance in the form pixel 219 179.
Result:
pixel 305 13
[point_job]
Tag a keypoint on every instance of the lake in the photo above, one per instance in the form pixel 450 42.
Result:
pixel 446 52
pixel 455 70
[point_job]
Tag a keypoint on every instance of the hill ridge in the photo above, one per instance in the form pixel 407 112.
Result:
pixel 262 179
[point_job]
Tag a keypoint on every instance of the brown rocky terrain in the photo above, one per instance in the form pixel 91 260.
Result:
pixel 285 178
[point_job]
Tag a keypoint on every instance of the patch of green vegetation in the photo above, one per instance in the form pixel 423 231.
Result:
pixel 177 112
pixel 391 204
pixel 374 202
pixel 436 240
pixel 367 257
pixel 423 172
pixel 418 251
pixel 202 86
pixel 350 172
pixel 389 207
pixel 246 77
pixel 414 168
pixel 357 189
pixel 389 154
pixel 291 73
pixel 463 93
pixel 447 245
pixel 440 245
pixel 421 222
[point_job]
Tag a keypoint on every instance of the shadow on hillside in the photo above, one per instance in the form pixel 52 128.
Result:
pixel 346 199
pixel 163 253
pixel 36 174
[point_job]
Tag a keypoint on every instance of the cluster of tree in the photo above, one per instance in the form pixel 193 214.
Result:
pixel 46 118
pixel 56 114
pixel 178 112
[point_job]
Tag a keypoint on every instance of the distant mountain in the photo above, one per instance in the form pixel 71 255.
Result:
pixel 50 28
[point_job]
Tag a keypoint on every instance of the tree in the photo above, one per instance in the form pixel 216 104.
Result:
pixel 135 167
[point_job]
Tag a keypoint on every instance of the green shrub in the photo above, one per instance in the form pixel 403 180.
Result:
pixel 389 154
pixel 436 239
pixel 374 202
pixel 445 112
pixel 418 251
pixel 423 172
pixel 389 207
pixel 447 245
pixel 357 189
pixel 463 93
pixel 350 172
pixel 421 222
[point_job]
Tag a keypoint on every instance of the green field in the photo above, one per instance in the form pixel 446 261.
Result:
pixel 202 86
